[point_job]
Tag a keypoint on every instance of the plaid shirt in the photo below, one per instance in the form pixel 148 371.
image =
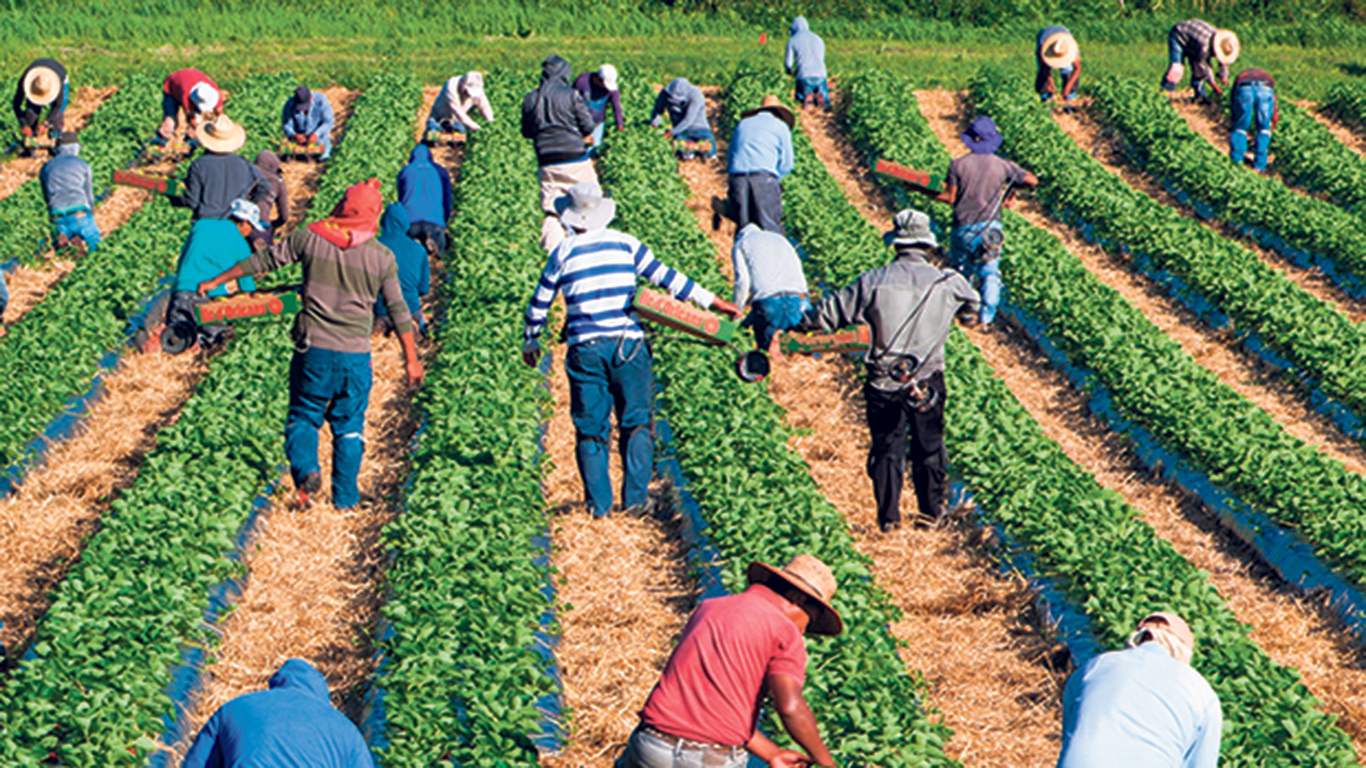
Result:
pixel 1196 38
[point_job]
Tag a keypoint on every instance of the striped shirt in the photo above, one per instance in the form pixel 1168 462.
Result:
pixel 340 286
pixel 596 271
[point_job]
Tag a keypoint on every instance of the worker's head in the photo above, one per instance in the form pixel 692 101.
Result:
pixel 68 143
pixel 774 106
pixel 798 25
pixel 982 137
pixel 1059 51
pixel 303 98
pixel 247 216
pixel 806 584
pixel 221 135
pixel 204 97
pixel 1225 47
pixel 472 83
pixel 42 86
pixel 584 208
pixel 607 76
pixel 1167 630
pixel 911 228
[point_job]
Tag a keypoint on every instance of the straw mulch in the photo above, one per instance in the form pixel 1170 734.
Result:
pixel 84 103
pixel 301 176
pixel 28 286
pixel 1340 131
pixel 43 526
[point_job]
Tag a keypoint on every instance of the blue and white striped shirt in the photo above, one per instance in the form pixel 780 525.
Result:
pixel 596 271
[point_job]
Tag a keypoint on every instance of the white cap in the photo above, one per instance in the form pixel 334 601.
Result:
pixel 608 73
pixel 204 96
pixel 474 84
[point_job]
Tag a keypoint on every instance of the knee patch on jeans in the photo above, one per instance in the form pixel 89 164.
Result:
pixel 628 433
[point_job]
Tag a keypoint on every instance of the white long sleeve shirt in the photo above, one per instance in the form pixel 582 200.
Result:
pixel 765 264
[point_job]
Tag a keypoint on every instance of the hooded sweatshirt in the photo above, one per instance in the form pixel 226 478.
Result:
pixel 292 724
pixel 555 116
pixel 317 118
pixel 805 52
pixel 414 269
pixel 268 163
pixel 598 98
pixel 66 181
pixel 458 99
pixel 424 188
pixel 685 103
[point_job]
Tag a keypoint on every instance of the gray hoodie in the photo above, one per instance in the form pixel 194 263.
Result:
pixel 685 103
pixel 66 181
pixel 805 52
pixel 555 116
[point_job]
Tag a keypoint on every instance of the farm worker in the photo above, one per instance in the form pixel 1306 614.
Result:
pixel 598 88
pixel 42 84
pixel 735 651
pixel 213 247
pixel 1055 50
pixel 276 197
pixel 67 188
pixel 767 269
pixel 687 109
pixel 345 268
pixel 192 92
pixel 424 189
pixel 1197 41
pixel 414 268
pixel 1142 706
pixel 220 176
pixel 805 61
pixel 557 120
pixel 1254 102
pixel 607 362
pixel 454 107
pixel 292 723
pixel 909 305
pixel 307 119
pixel 760 155
pixel 977 185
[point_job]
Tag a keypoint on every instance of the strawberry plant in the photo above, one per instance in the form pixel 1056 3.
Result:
pixel 1308 154
pixel 1347 102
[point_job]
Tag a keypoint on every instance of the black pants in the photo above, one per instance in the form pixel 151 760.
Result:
pixel 423 231
pixel 896 430
pixel 181 315
pixel 756 197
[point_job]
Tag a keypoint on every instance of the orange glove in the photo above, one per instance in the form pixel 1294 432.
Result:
pixel 27 131
pixel 312 138
pixel 299 138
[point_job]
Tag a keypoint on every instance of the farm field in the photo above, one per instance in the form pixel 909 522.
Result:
pixel 1170 413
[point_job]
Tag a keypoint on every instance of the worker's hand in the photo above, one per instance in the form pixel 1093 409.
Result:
pixel 721 305
pixel 415 372
pixel 208 285
pixel 166 128
pixel 42 129
pixel 786 758
pixel 27 130
pixel 312 138
pixel 587 139
pixel 531 354
pixel 668 133
pixel 299 138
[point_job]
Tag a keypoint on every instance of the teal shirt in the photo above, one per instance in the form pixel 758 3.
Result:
pixel 213 247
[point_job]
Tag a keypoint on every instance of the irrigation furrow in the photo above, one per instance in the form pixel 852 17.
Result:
pixel 85 101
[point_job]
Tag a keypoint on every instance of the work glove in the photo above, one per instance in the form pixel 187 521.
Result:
pixel 531 353
pixel 312 138
pixel 27 131
pixel 721 305
pixel 299 138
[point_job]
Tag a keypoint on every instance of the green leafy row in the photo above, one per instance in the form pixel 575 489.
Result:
pixel 382 141
pixel 1347 103
pixel 1308 154
pixel 1085 538
pixel 461 677
pixel 756 494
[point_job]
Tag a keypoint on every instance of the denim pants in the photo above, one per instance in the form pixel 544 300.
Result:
pixel 813 86
pixel 83 226
pixel 1251 101
pixel 646 750
pixel 422 231
pixel 4 294
pixel 331 386
pixel 966 247
pixel 445 126
pixel 769 315
pixel 696 134
pixel 607 375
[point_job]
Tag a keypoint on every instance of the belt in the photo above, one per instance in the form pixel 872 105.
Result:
pixel 678 741
pixel 77 212
pixel 782 294
pixel 754 173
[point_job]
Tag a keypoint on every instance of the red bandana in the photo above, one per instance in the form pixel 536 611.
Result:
pixel 356 217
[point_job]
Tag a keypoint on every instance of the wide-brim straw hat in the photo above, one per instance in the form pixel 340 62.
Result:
pixel 221 135
pixel 1059 50
pixel 42 85
pixel 1226 46
pixel 810 576
pixel 772 104
pixel 585 207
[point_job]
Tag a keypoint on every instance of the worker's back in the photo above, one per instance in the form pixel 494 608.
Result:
pixel 66 181
pixel 424 188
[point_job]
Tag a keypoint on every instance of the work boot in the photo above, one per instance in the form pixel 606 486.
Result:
pixel 890 526
pixel 310 484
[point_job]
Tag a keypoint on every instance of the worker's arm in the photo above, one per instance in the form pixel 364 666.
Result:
pixel 679 285
pixel 949 194
pixel 741 269
pixel 89 188
pixel 657 111
pixel 1275 110
pixel 789 56
pixel 843 308
pixel 615 98
pixel 412 365
pixel 785 156
pixel 287 118
pixel 797 718
pixel 1028 180
pixel 201 754
pixel 263 259
pixel 529 116
pixel 1069 88
pixel 447 193
pixel 1206 749
pixel 539 307
pixel 485 108
pixel 458 109
pixel 19 97
pixel 773 755
pixel 193 188
pixel 328 120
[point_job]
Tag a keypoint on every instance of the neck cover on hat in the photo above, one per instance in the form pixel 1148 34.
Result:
pixel 355 219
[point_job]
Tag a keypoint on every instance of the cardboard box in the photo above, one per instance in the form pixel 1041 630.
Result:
pixel 231 308
pixel 162 185
pixel 916 178
pixel 857 338
pixel 682 316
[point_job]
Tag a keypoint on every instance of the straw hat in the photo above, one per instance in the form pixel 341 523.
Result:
pixel 42 85
pixel 584 207
pixel 1059 50
pixel 810 576
pixel 221 135
pixel 772 104
pixel 1226 46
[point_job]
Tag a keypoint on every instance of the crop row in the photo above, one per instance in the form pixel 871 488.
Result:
pixel 382 140
pixel 461 677
pixel 1308 154
pixel 756 494
pixel 1087 539
pixel 1347 102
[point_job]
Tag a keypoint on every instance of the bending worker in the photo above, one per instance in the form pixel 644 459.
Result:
pixel 67 188
pixel 767 267
pixel 598 88
pixel 191 92
pixel 805 61
pixel 307 120
pixel 608 363
pixel 453 110
pixel 1254 104
pixel 909 305
pixel 274 203
pixel 424 189
pixel 220 175
pixel 759 157
pixel 42 84
pixel 687 109
pixel 1142 707
pixel 345 268
pixel 414 268
pixel 1197 42
pixel 213 247
pixel 1055 50
pixel 292 723
pixel 734 652
pixel 557 120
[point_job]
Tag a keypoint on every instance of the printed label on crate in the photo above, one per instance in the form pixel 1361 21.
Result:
pixel 857 338
pixel 668 311
pixel 922 179
pixel 248 305
pixel 163 185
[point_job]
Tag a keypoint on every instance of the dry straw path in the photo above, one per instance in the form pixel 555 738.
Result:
pixel 1344 134
pixel 1293 629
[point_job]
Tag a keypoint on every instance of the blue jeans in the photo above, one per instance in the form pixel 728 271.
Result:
pixel 448 126
pixel 776 313
pixel 696 134
pixel 331 386
pixel 605 376
pixel 646 750
pixel 4 294
pixel 83 226
pixel 967 252
pixel 1251 100
pixel 812 86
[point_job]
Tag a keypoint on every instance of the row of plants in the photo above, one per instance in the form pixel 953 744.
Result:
pixel 1161 140
pixel 756 494
pixel 461 676
pixel 1093 545
pixel 1309 155
pixel 1347 102
pixel 378 149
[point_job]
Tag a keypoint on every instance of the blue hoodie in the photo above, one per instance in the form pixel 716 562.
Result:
pixel 424 188
pixel 292 725
pixel 414 269
pixel 805 52
pixel 685 103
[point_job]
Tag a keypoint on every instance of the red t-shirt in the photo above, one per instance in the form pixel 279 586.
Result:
pixel 179 84
pixel 711 687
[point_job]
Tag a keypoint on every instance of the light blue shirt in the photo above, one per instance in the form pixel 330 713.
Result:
pixel 805 55
pixel 760 142
pixel 1139 708
pixel 765 265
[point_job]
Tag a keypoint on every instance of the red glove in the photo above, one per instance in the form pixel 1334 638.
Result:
pixel 312 138
pixel 27 131
pixel 299 138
